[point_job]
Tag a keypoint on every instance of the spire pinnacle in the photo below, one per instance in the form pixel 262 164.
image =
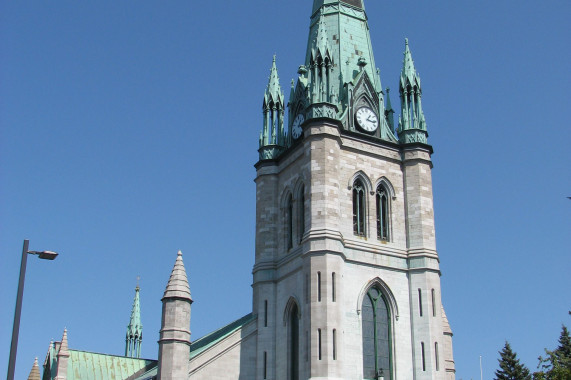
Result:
pixel 63 348
pixel 177 286
pixel 134 336
pixel 412 124
pixel 35 372
pixel 274 91
pixel 272 137
pixel 408 74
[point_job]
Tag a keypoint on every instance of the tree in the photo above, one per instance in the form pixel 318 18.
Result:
pixel 510 367
pixel 557 364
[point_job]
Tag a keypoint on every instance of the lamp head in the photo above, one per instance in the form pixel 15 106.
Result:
pixel 45 255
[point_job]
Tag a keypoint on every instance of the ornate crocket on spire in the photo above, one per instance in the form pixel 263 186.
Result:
pixel 134 336
pixel 272 137
pixel 412 124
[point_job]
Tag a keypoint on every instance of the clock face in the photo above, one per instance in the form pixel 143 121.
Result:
pixel 367 119
pixel 296 126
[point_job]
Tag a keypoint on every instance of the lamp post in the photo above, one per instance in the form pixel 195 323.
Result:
pixel 46 255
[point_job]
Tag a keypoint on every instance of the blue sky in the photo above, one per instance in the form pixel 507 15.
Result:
pixel 129 130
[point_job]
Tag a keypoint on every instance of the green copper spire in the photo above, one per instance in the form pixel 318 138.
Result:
pixel 272 137
pixel 134 336
pixel 340 27
pixel 412 124
pixel 339 75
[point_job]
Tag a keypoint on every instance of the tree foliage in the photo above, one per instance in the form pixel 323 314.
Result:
pixel 556 365
pixel 510 367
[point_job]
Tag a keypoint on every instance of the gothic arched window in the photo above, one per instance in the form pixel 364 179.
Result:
pixel 301 213
pixel 289 222
pixel 376 323
pixel 293 343
pixel 383 213
pixel 359 214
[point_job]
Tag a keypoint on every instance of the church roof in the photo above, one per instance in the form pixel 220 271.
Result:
pixel 93 366
pixel 90 365
pixel 214 337
pixel 204 343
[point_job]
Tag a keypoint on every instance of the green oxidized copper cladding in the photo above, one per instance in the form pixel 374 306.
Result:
pixel 273 137
pixel 134 336
pixel 412 124
pixel 344 25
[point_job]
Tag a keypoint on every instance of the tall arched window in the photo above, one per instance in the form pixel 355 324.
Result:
pixel 377 356
pixel 383 213
pixel 359 214
pixel 293 344
pixel 301 213
pixel 289 222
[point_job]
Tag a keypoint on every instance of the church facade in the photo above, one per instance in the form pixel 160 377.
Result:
pixel 346 281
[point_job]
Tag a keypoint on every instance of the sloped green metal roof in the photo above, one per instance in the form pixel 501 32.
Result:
pixel 214 337
pixel 93 366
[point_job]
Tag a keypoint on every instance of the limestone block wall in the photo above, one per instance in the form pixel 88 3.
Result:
pixel 326 163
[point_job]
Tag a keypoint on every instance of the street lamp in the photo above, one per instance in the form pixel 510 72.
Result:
pixel 46 255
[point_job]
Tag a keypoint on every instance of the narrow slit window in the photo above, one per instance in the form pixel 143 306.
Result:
pixel 266 313
pixel 318 286
pixel 333 287
pixel 436 356
pixel 334 344
pixel 265 365
pixel 420 301
pixel 289 221
pixel 306 288
pixel 423 358
pixel 359 208
pixel 319 343
pixel 307 346
pixel 301 211
pixel 433 304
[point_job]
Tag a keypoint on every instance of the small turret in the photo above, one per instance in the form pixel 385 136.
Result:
pixel 412 124
pixel 174 342
pixel 134 336
pixel 272 137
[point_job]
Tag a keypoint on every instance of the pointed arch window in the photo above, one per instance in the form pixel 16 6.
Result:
pixel 289 222
pixel 359 214
pixel 376 329
pixel 293 344
pixel 383 213
pixel 301 213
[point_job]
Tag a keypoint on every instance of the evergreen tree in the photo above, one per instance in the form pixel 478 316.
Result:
pixel 557 364
pixel 510 367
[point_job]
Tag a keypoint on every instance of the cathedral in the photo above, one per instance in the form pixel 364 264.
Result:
pixel 346 280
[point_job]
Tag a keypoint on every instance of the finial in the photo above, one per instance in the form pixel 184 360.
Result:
pixel 138 279
pixel 274 57
pixel 388 89
pixel 406 41
pixel 179 253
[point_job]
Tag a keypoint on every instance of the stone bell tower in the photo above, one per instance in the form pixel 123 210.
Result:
pixel 346 277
